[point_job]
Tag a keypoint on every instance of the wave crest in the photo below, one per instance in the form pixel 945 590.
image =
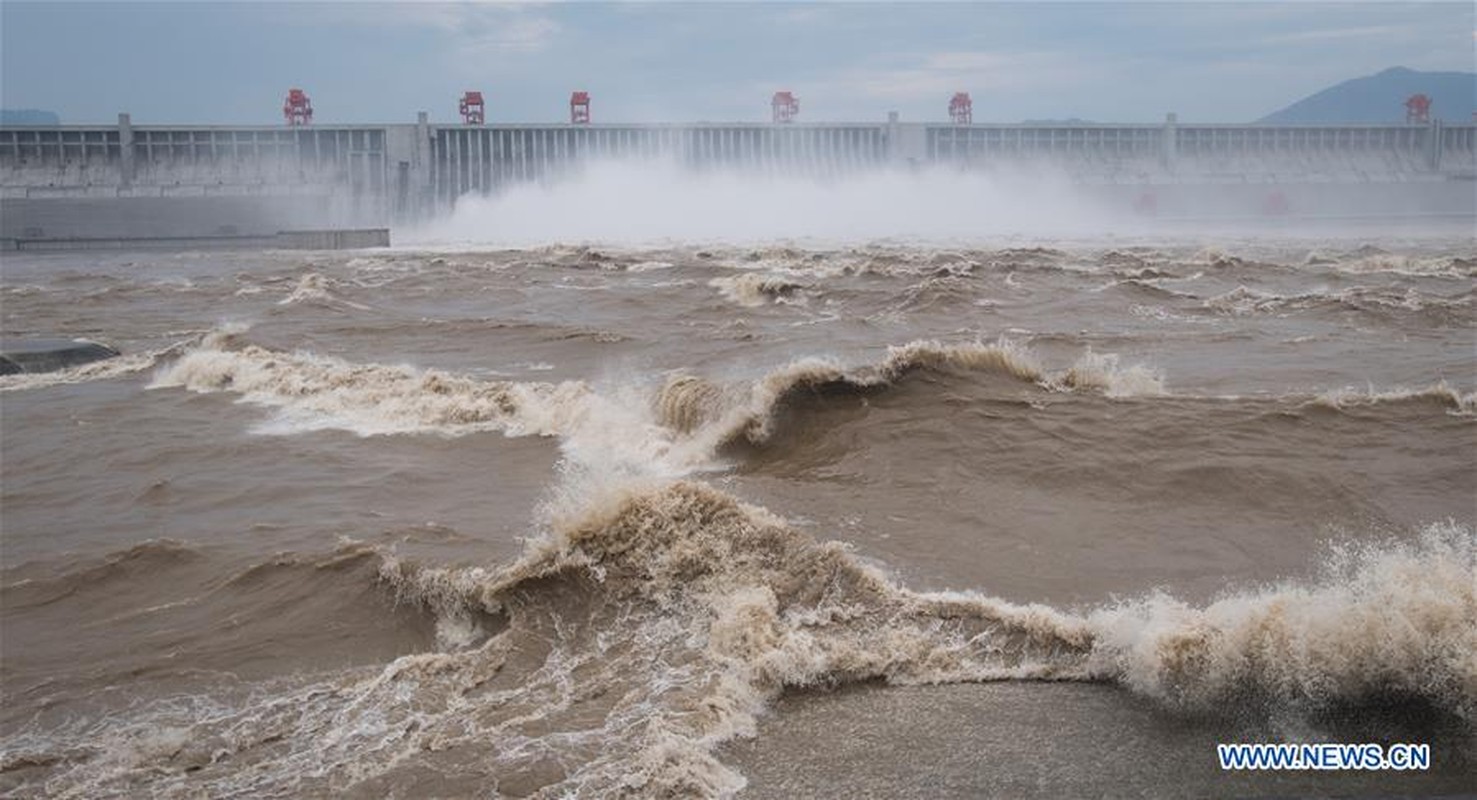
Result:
pixel 1104 372
pixel 1398 620
pixel 760 607
pixel 1441 394
pixel 718 416
pixel 323 391
pixel 1243 301
pixel 752 290
pixel 654 621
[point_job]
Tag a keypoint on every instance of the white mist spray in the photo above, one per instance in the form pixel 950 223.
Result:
pixel 627 202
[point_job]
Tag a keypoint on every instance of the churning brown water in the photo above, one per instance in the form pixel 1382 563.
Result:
pixel 887 520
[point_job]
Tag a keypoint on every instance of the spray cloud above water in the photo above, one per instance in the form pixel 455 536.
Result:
pixel 634 202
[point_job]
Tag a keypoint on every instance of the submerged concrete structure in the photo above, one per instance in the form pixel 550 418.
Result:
pixel 19 356
pixel 168 181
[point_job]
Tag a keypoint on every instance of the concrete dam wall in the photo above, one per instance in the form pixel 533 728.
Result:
pixel 165 181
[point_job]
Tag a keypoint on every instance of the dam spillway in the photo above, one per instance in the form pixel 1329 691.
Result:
pixel 184 180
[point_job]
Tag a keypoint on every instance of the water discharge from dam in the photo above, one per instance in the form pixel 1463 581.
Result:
pixel 660 201
pixel 632 202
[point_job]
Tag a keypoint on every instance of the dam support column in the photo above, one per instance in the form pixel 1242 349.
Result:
pixel 422 167
pixel 907 143
pixel 1169 143
pixel 894 150
pixel 1434 135
pixel 404 167
pixel 125 151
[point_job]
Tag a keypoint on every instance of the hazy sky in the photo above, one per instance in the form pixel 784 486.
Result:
pixel 382 62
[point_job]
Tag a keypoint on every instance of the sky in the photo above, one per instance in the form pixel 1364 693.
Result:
pixel 231 63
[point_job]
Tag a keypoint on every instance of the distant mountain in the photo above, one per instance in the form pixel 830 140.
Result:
pixel 28 116
pixel 1381 98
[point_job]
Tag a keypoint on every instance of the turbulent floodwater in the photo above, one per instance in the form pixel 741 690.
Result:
pixel 886 520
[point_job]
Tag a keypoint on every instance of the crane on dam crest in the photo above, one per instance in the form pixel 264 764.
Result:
pixel 1418 109
pixel 785 106
pixel 579 108
pixel 472 110
pixel 961 109
pixel 297 109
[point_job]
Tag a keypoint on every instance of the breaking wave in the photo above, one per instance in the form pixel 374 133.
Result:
pixel 684 424
pixel 1104 372
pixel 1244 301
pixel 1370 260
pixel 655 621
pixel 752 289
pixel 751 412
pixel 1365 260
pixel 1393 621
pixel 1148 288
pixel 322 391
pixel 1440 394
pixel 316 289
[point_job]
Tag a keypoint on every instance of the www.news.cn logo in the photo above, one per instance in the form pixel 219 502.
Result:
pixel 1367 756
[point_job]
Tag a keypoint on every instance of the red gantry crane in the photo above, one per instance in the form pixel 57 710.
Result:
pixel 579 108
pixel 961 109
pixel 297 109
pixel 1418 109
pixel 786 106
pixel 473 112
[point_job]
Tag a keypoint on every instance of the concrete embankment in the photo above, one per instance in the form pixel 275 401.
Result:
pixel 282 240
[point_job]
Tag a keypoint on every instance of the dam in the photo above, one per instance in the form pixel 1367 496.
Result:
pixel 202 180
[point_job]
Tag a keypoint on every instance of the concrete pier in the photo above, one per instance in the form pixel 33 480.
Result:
pixel 171 181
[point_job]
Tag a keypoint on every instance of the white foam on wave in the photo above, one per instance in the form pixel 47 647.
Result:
pixel 315 287
pixel 752 290
pixel 1243 301
pixel 1106 373
pixel 1393 619
pixel 1411 265
pixel 1456 401
pixel 319 392
pixel 612 429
